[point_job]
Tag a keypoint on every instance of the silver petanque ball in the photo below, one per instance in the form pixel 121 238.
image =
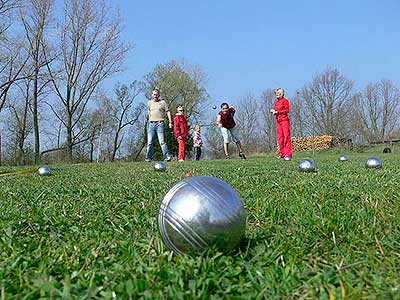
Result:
pixel 306 165
pixel 44 171
pixel 201 212
pixel 214 107
pixel 373 163
pixel 387 150
pixel 343 158
pixel 160 166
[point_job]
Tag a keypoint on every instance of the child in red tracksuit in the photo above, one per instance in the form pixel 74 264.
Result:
pixel 181 132
pixel 281 110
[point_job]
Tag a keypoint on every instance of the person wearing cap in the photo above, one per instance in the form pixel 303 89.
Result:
pixel 281 110
pixel 226 123
pixel 157 109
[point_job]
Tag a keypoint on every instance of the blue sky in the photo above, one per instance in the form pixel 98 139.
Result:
pixel 248 46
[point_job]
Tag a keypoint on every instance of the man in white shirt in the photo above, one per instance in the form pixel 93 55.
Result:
pixel 157 109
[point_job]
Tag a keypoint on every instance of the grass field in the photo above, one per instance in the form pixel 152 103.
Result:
pixel 90 231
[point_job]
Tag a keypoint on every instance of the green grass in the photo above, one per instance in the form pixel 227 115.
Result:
pixel 90 231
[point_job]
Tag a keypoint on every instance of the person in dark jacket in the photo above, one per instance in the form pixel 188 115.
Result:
pixel 226 123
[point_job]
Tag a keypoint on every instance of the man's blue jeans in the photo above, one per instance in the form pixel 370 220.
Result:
pixel 154 128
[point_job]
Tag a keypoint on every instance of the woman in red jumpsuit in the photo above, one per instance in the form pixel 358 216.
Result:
pixel 281 110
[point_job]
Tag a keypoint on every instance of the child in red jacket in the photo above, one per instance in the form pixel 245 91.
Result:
pixel 181 132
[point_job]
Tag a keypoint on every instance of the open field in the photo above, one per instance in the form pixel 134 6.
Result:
pixel 90 231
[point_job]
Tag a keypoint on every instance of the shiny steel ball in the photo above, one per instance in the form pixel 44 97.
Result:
pixel 373 163
pixel 387 150
pixel 44 171
pixel 214 107
pixel 160 166
pixel 306 165
pixel 199 213
pixel 343 158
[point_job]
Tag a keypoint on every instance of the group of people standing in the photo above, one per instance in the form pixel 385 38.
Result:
pixel 158 108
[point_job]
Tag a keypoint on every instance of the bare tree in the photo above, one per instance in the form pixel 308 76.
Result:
pixel 12 55
pixel 299 119
pixel 247 122
pixel 213 142
pixel 137 138
pixel 7 8
pixel 268 125
pixel 124 112
pixel 327 100
pixel 13 59
pixel 20 122
pixel 91 51
pixel 35 17
pixel 378 108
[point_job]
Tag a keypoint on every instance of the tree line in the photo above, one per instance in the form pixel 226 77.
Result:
pixel 54 107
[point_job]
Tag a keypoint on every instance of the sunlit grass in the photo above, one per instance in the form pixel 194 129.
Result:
pixel 90 231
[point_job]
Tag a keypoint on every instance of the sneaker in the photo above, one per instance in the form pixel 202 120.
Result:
pixel 227 156
pixel 168 159
pixel 242 156
pixel 181 160
pixel 147 160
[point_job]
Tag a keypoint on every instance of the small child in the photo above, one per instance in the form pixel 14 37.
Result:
pixel 197 142
pixel 181 132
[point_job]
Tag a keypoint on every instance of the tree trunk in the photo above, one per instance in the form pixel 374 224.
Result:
pixel 91 151
pixel 35 116
pixel 20 153
pixel 69 139
pixel 115 146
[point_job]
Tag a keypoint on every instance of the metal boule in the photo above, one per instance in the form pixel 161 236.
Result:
pixel 160 166
pixel 199 213
pixel 343 158
pixel 214 107
pixel 306 165
pixel 387 150
pixel 373 163
pixel 44 171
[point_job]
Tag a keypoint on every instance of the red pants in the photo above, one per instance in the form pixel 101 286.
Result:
pixel 283 137
pixel 181 149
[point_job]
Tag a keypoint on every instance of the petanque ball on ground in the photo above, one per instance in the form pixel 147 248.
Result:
pixel 199 213
pixel 373 163
pixel 214 107
pixel 44 171
pixel 160 166
pixel 306 165
pixel 387 150
pixel 343 158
